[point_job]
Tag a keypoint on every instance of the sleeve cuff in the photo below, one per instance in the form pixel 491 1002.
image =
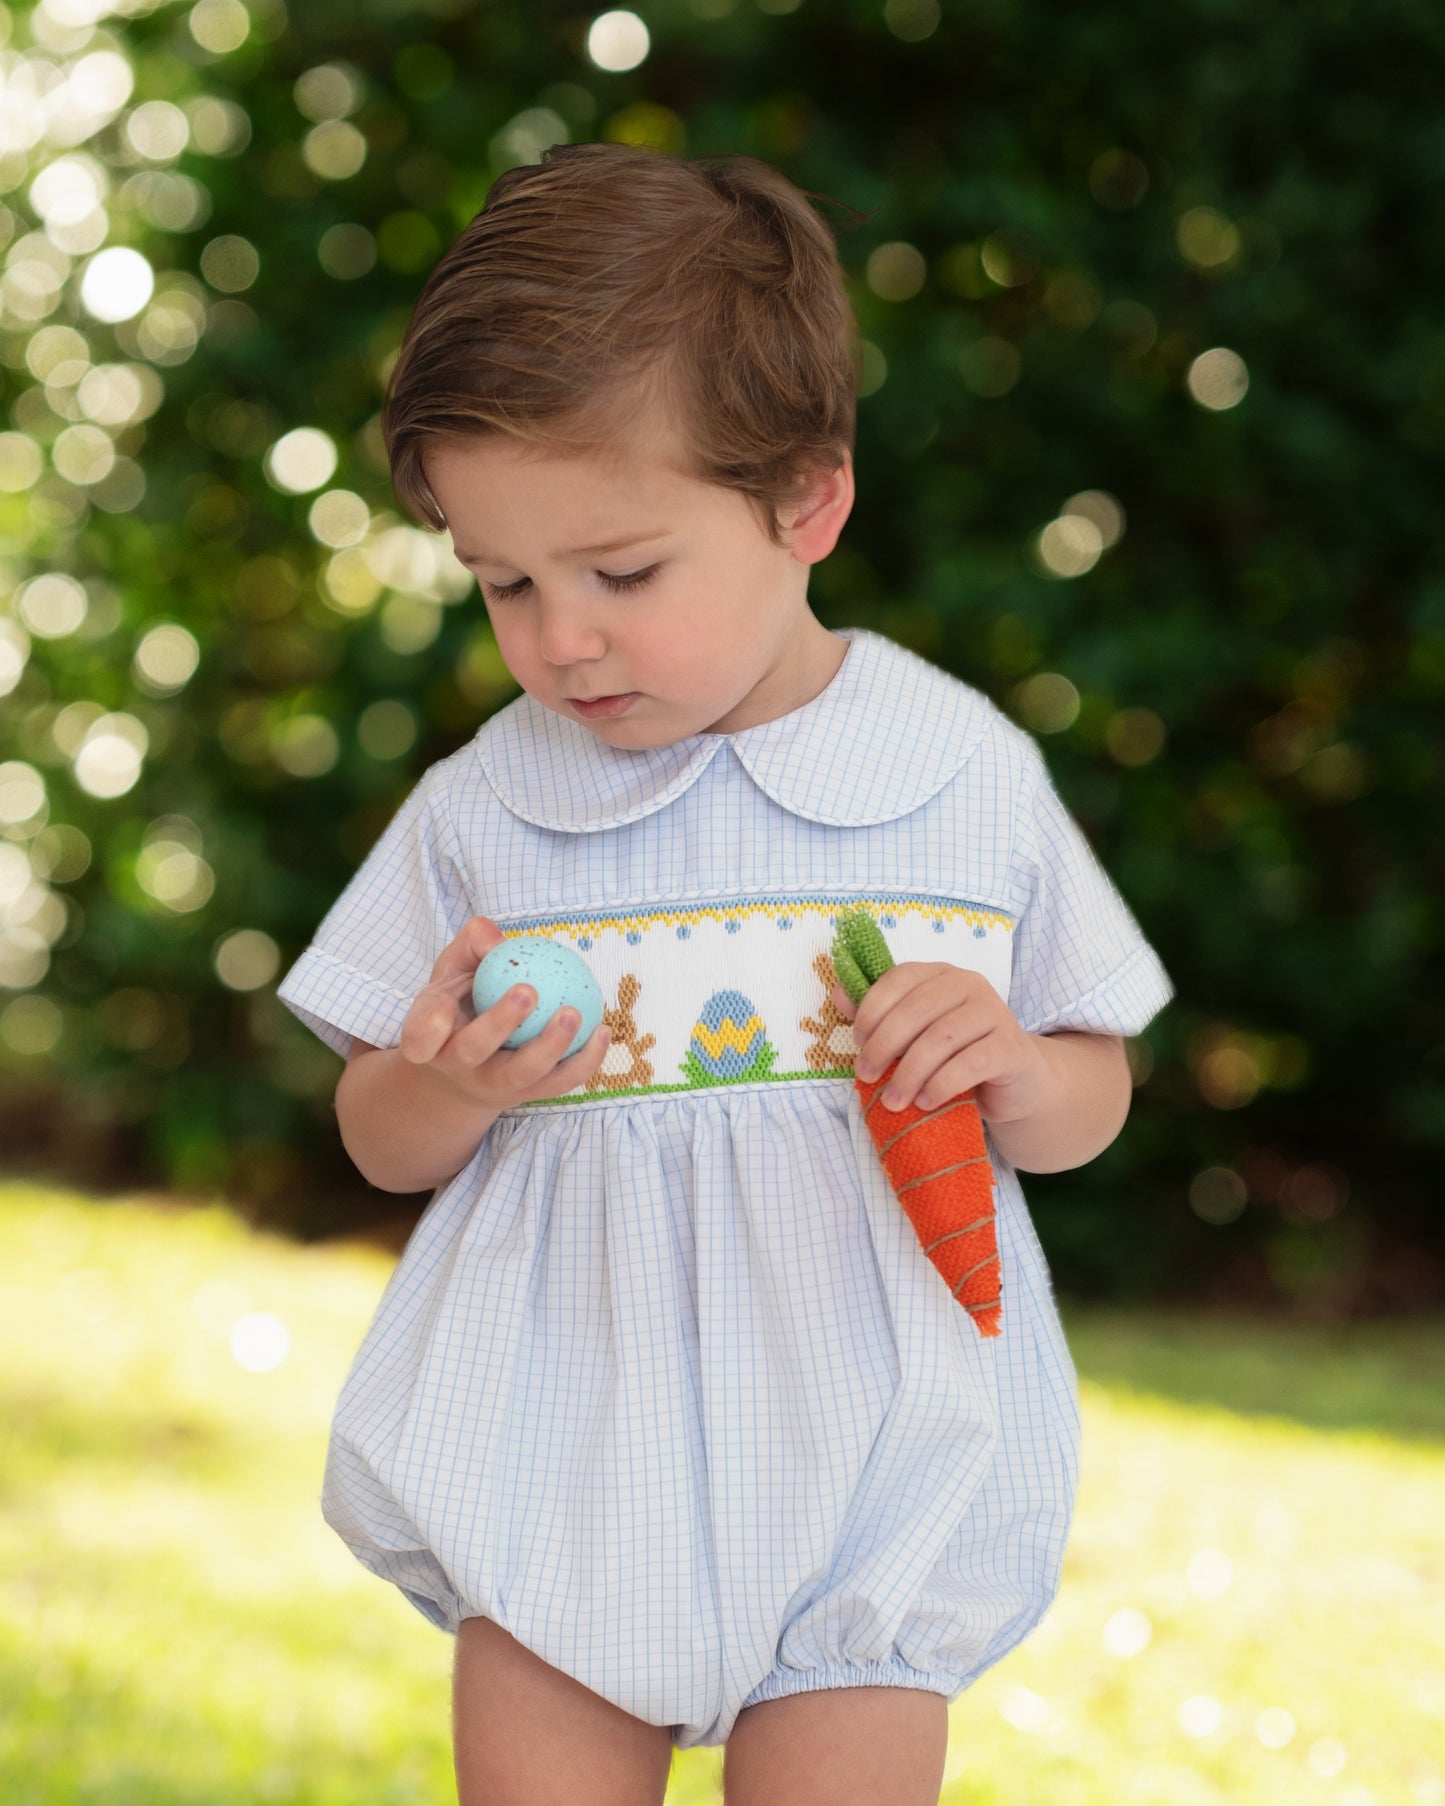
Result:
pixel 1124 1003
pixel 341 1005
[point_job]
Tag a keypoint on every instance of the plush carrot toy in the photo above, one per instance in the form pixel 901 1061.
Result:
pixel 937 1160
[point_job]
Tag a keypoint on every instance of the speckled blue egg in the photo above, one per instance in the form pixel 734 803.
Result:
pixel 559 976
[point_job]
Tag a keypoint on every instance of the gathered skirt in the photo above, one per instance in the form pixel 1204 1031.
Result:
pixel 669 1390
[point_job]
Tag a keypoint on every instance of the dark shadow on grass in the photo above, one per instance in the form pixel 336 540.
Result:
pixel 1384 1377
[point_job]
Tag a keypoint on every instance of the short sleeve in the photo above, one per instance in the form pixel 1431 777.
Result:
pixel 1079 958
pixel 379 941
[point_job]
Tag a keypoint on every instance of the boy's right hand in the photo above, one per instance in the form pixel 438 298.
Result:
pixel 443 1031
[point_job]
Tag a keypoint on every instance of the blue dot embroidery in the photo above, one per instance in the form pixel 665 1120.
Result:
pixel 979 933
pixel 585 942
pixel 633 937
pixel 733 927
pixel 785 921
pixel 938 927
pixel 683 931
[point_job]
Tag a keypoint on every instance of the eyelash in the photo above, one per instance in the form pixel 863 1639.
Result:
pixel 634 580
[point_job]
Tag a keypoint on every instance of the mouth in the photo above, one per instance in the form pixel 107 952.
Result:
pixel 592 707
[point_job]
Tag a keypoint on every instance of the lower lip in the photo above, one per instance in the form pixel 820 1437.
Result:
pixel 606 706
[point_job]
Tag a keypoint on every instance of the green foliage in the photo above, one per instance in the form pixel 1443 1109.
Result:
pixel 1149 449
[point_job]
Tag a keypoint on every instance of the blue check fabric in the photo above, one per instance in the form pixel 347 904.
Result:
pixel 663 1381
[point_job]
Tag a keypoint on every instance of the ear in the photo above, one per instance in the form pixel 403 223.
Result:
pixel 821 515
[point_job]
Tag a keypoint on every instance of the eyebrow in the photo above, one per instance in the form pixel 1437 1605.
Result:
pixel 608 545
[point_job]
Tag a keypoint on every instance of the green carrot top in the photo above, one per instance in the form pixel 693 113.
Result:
pixel 860 953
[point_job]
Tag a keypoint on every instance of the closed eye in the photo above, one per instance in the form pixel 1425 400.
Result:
pixel 633 580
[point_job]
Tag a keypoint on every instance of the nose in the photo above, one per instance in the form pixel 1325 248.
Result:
pixel 565 636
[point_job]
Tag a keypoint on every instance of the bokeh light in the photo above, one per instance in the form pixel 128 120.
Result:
pixel 219 26
pixel 1206 238
pixel 117 284
pixel 14 653
pixel 158 130
pixel 51 605
pixel 1218 378
pixel 230 263
pixel 306 745
pixel 1047 703
pixel 1134 736
pixel 301 460
pixel 166 658
pixel 21 462
pixel 912 21
pixel 1217 1195
pixel 896 271
pixel 618 41
pixel 1103 509
pixel 386 729
pixel 329 91
pixel 1067 546
pixel 334 150
pixel 339 518
pixel 247 960
pixel 109 761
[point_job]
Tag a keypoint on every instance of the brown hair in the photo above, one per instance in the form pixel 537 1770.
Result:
pixel 608 279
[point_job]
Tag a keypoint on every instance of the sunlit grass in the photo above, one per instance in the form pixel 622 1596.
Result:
pixel 1253 1607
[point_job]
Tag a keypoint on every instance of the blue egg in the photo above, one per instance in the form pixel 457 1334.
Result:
pixel 559 976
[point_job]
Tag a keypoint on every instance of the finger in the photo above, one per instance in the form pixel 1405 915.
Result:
pixel 970 1058
pixel 905 988
pixel 965 1072
pixel 429 1023
pixel 482 1038
pixel 892 1035
pixel 577 1068
pixel 923 1057
pixel 461 957
pixel 531 1062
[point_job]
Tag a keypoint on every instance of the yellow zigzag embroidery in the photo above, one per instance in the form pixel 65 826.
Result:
pixel 730 1035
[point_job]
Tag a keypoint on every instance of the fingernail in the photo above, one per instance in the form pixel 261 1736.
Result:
pixel 892 1100
pixel 524 999
pixel 866 1071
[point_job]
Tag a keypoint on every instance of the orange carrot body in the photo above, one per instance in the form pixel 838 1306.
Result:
pixel 937 1161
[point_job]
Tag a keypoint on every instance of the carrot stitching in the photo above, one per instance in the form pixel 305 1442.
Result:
pixel 977 1223
pixel 957 1103
pixel 938 1173
pixel 972 1270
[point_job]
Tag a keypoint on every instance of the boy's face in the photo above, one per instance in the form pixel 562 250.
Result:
pixel 718 638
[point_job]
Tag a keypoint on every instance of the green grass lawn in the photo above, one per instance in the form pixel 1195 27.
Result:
pixel 1253 1605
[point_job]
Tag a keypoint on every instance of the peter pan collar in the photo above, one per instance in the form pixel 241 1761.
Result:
pixel 886 734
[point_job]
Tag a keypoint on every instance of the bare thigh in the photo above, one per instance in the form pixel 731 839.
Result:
pixel 842 1746
pixel 525 1734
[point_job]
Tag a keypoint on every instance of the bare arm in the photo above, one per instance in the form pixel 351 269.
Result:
pixel 405 1127
pixel 1083 1107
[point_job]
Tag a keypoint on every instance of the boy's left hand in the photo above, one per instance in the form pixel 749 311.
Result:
pixel 951 1032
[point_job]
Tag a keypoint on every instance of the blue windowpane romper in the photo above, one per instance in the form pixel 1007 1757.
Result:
pixel 663 1382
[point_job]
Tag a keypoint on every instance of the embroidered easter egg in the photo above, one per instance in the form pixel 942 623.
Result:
pixel 559 976
pixel 729 1037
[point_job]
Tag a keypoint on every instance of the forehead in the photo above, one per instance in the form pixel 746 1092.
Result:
pixel 495 490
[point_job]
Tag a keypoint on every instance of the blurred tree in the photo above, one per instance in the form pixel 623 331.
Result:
pixel 1149 449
